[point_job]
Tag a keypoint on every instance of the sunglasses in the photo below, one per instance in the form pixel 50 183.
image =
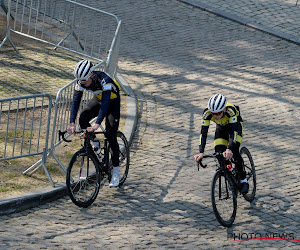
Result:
pixel 84 80
pixel 81 81
pixel 216 114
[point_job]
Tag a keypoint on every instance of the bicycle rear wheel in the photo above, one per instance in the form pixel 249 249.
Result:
pixel 223 197
pixel 83 178
pixel 124 157
pixel 250 173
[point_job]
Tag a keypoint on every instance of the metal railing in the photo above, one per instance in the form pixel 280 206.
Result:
pixel 25 127
pixel 60 121
pixel 68 25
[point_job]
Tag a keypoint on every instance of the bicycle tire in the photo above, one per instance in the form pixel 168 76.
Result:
pixel 250 174
pixel 224 199
pixel 124 157
pixel 83 178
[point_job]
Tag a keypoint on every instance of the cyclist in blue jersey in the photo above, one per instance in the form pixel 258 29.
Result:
pixel 105 103
pixel 228 134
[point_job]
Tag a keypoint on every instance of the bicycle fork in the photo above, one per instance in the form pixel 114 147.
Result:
pixel 225 183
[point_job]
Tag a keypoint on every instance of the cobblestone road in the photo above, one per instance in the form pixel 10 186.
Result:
pixel 176 56
pixel 277 16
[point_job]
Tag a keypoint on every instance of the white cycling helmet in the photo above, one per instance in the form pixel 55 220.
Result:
pixel 217 103
pixel 83 70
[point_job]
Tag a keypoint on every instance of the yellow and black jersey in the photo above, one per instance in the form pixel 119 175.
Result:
pixel 105 88
pixel 231 115
pixel 101 82
pixel 231 121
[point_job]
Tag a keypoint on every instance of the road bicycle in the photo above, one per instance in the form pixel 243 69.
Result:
pixel 226 185
pixel 88 171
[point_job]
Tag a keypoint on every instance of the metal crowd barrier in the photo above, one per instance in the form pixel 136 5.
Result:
pixel 61 119
pixel 68 25
pixel 25 127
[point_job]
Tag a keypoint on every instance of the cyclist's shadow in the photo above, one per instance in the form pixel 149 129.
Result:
pixel 147 200
pixel 272 211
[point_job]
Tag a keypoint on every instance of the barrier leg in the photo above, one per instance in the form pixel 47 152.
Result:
pixel 38 164
pixel 33 166
pixel 45 168
pixel 59 162
pixel 7 37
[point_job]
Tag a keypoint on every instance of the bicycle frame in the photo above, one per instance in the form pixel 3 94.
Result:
pixel 223 192
pixel 226 185
pixel 88 136
pixel 86 172
pixel 234 175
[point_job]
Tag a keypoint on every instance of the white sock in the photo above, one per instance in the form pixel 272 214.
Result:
pixel 116 170
pixel 96 143
pixel 244 181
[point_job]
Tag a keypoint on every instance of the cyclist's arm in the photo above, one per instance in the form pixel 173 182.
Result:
pixel 75 105
pixel 202 142
pixel 203 135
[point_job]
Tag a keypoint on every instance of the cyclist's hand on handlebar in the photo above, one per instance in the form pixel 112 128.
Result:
pixel 198 157
pixel 71 128
pixel 93 128
pixel 227 154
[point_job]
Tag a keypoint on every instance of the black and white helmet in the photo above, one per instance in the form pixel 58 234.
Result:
pixel 217 103
pixel 83 70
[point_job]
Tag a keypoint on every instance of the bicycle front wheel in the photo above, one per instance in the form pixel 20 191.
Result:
pixel 223 197
pixel 124 157
pixel 250 174
pixel 83 178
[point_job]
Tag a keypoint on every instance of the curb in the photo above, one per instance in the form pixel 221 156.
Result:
pixel 131 116
pixel 42 196
pixel 242 21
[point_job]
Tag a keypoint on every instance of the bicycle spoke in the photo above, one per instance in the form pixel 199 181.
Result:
pixel 83 179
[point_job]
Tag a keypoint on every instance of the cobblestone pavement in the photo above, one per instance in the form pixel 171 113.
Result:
pixel 175 56
pixel 279 17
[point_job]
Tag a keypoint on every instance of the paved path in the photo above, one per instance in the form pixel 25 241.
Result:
pixel 175 56
pixel 278 17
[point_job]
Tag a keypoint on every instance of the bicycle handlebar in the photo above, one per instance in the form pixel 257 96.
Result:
pixel 62 133
pixel 217 154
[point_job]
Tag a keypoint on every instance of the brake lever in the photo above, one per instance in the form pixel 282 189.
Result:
pixel 62 135
pixel 200 163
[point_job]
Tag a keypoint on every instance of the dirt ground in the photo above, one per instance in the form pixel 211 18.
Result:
pixel 42 59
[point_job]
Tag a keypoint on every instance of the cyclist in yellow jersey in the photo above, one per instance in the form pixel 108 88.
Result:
pixel 105 103
pixel 228 134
